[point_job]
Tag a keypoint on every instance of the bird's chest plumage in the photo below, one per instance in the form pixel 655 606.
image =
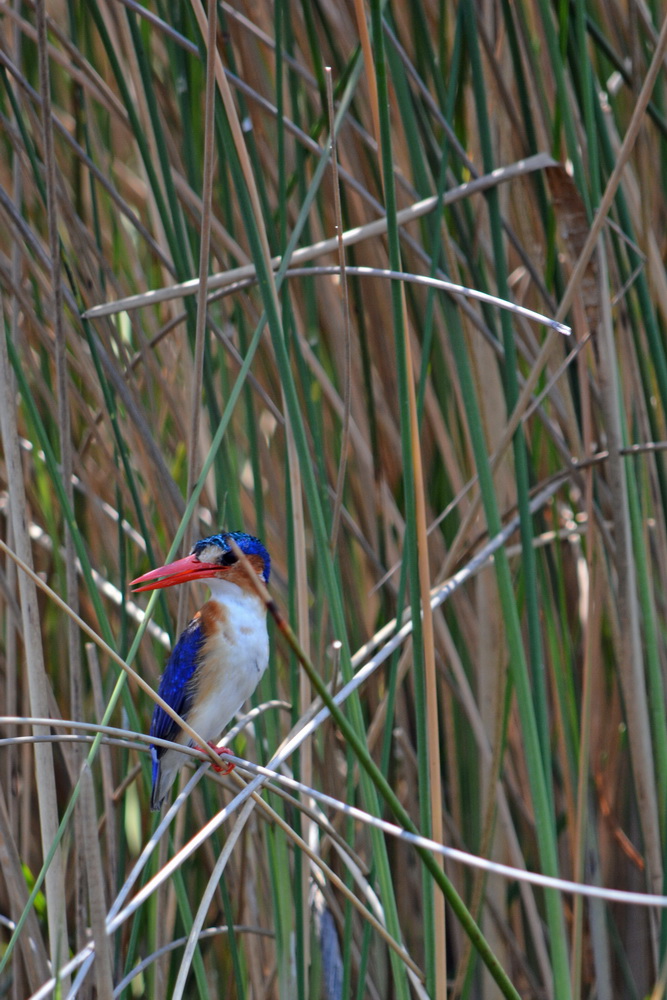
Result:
pixel 233 657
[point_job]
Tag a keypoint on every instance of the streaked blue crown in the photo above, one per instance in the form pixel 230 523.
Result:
pixel 248 544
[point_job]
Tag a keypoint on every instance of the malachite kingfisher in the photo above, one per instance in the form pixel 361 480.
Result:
pixel 221 655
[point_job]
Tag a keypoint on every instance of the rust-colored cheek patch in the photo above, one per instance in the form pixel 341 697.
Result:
pixel 236 574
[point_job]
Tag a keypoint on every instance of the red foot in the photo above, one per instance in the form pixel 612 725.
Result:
pixel 222 768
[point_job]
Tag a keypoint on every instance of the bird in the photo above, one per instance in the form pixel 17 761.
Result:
pixel 221 654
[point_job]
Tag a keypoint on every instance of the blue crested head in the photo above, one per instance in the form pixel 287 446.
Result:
pixel 216 549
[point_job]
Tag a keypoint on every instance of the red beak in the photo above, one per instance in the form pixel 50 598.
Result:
pixel 180 571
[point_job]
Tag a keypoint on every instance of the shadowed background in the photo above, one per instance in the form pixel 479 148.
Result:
pixel 362 427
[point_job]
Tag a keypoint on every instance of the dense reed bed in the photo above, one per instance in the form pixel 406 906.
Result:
pixel 228 239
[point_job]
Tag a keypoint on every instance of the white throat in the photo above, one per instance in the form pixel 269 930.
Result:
pixel 226 592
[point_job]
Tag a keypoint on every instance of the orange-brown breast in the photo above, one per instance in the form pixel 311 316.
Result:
pixel 215 618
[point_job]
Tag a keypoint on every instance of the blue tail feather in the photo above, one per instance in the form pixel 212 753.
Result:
pixel 156 798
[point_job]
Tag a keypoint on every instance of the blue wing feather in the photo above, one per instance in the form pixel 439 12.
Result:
pixel 176 685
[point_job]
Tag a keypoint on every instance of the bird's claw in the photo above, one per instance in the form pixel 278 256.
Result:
pixel 226 768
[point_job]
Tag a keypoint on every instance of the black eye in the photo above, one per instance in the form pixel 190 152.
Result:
pixel 228 559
